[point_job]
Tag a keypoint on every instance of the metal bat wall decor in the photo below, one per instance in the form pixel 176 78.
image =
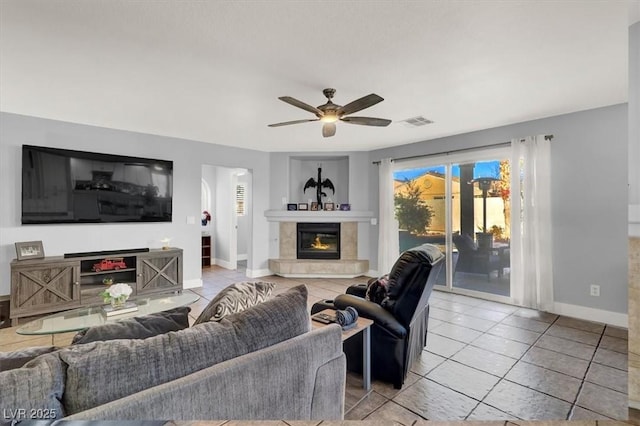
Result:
pixel 319 184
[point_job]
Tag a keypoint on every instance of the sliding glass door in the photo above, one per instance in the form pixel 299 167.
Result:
pixel 421 208
pixel 461 204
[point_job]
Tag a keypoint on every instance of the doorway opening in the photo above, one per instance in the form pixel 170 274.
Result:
pixel 226 198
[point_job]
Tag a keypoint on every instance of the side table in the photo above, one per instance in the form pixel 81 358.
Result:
pixel 363 325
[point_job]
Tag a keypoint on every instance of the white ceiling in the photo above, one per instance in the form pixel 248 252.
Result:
pixel 212 70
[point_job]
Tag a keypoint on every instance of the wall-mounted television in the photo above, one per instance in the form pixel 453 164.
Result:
pixel 65 186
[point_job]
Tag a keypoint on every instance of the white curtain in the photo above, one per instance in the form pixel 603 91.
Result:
pixel 532 257
pixel 388 238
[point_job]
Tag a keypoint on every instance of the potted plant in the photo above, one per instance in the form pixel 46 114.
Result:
pixel 484 239
pixel 117 294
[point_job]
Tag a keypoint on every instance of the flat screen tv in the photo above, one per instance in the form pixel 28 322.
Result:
pixel 64 186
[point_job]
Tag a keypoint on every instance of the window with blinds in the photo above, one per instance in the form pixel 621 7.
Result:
pixel 241 190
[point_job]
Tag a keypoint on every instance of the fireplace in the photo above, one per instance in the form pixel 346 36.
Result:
pixel 318 241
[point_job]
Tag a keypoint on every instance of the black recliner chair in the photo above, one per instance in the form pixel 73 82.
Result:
pixel 399 332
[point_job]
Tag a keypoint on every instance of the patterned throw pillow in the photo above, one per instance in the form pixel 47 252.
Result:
pixel 377 289
pixel 235 298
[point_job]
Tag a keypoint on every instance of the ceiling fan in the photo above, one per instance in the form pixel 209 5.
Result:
pixel 329 112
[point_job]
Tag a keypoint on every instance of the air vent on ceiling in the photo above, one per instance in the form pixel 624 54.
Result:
pixel 416 121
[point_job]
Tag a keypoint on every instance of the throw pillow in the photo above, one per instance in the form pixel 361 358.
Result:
pixel 235 298
pixel 36 389
pixel 16 359
pixel 119 368
pixel 377 289
pixel 136 328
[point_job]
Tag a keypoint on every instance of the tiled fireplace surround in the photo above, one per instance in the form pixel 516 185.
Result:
pixel 348 266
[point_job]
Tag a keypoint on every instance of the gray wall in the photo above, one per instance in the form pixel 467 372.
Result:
pixel 188 156
pixel 353 175
pixel 589 197
pixel 634 125
pixel 334 168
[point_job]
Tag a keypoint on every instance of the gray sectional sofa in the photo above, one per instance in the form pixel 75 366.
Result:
pixel 262 363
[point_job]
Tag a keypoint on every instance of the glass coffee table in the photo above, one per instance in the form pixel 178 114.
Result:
pixel 81 318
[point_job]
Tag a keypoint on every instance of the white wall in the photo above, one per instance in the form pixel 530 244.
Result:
pixel 224 216
pixel 188 157
pixel 244 222
pixel 209 176
pixel 589 197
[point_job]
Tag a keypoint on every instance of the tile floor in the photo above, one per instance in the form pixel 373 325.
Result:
pixel 483 361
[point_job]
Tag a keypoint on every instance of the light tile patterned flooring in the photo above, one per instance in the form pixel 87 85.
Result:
pixel 483 361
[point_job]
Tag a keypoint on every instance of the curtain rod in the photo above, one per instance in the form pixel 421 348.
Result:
pixel 495 145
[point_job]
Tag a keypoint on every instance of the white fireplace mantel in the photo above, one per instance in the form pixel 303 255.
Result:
pixel 318 216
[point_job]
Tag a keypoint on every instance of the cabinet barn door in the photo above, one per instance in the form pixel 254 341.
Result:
pixel 159 271
pixel 47 288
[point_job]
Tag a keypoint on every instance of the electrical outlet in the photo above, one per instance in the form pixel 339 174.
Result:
pixel 595 290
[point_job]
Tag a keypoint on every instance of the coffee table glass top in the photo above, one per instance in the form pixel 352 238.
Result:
pixel 81 318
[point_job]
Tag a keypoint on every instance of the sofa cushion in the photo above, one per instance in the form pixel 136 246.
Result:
pixel 36 388
pixel 118 368
pixel 136 328
pixel 16 359
pixel 235 298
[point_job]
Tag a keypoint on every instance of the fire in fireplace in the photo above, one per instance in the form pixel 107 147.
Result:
pixel 318 241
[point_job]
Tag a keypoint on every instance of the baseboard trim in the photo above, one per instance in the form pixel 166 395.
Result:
pixel 192 283
pixel 225 264
pixel 312 275
pixel 372 273
pixel 592 314
pixel 257 273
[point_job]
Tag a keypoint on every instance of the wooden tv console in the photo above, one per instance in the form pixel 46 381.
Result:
pixel 56 283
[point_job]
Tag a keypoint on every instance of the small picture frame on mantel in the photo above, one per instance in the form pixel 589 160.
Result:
pixel 292 207
pixel 29 250
pixel 314 206
pixel 329 206
pixel 303 206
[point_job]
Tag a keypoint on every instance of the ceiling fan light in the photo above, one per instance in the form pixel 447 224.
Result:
pixel 329 118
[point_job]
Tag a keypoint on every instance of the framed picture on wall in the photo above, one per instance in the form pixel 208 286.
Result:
pixel 292 206
pixel 329 206
pixel 29 250
pixel 303 206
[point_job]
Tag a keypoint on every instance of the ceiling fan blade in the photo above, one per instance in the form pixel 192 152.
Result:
pixel 360 104
pixel 367 121
pixel 286 123
pixel 300 104
pixel 328 129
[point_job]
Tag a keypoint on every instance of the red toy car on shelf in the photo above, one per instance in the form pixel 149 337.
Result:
pixel 109 264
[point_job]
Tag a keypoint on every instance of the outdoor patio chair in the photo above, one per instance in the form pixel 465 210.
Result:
pixel 475 260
